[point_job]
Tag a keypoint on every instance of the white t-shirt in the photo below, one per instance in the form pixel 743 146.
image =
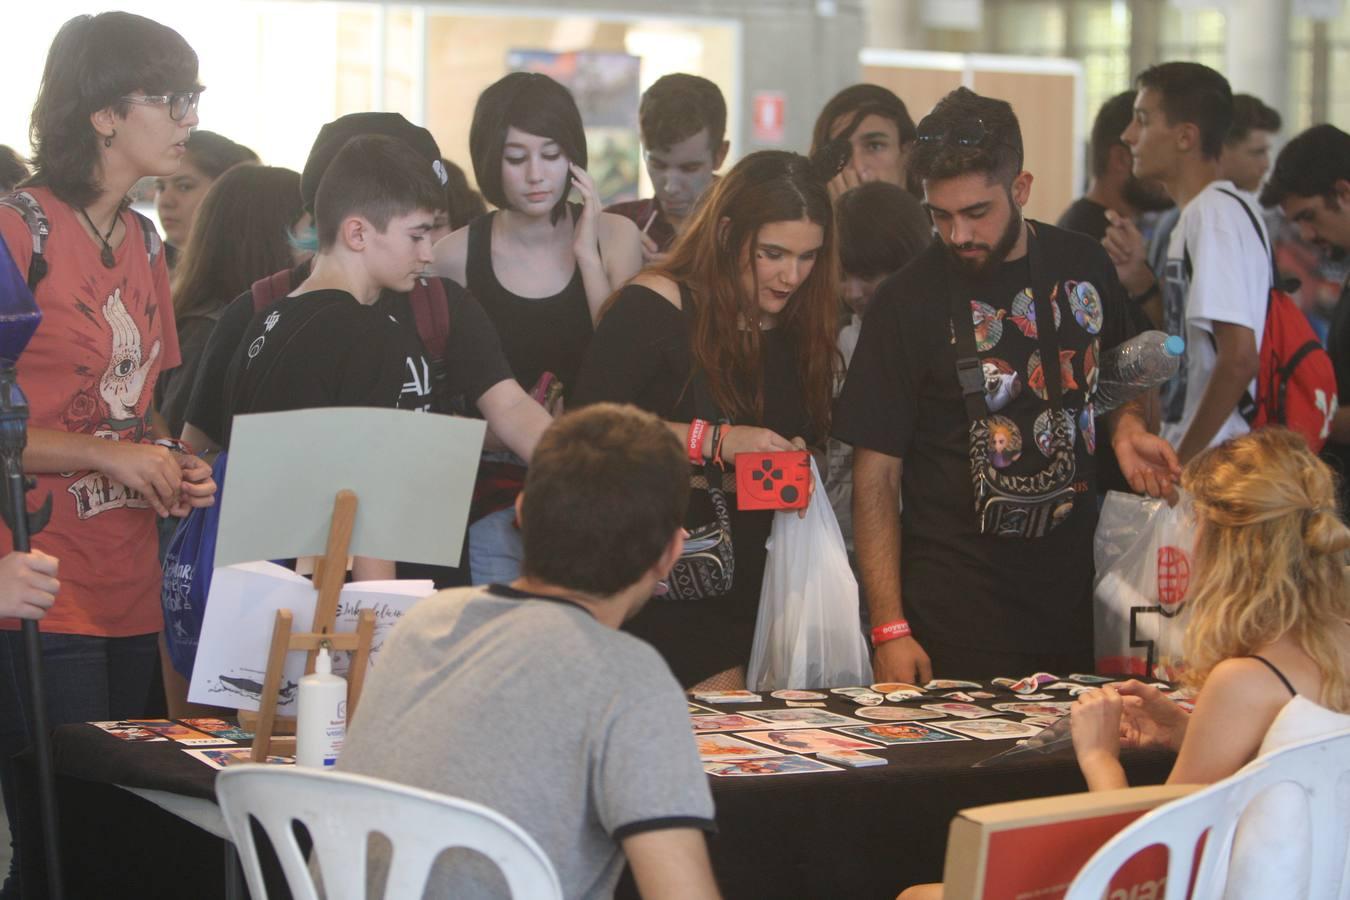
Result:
pixel 1228 281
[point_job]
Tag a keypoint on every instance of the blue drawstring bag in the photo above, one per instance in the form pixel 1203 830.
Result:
pixel 188 565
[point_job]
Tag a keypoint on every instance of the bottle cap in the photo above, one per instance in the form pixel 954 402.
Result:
pixel 323 663
pixel 1174 345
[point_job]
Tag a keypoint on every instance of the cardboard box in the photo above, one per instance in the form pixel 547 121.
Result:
pixel 1034 848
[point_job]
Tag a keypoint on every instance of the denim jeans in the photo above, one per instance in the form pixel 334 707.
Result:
pixel 495 548
pixel 86 679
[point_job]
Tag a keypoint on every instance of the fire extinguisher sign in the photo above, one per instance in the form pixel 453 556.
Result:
pixel 769 107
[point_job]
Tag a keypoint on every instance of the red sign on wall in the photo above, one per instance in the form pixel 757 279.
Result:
pixel 768 114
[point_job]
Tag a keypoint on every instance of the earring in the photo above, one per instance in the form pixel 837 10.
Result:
pixel 107 141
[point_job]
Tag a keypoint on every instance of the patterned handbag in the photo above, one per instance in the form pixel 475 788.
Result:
pixel 708 564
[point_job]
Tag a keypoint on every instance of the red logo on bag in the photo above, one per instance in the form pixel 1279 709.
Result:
pixel 1174 578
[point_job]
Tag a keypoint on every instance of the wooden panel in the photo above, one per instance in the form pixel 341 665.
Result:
pixel 921 89
pixel 1044 105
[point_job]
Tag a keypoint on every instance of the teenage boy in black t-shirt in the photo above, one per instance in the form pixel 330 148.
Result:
pixel 983 598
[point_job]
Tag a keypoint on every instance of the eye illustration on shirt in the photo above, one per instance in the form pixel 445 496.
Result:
pixel 1086 305
pixel 988 325
pixel 1024 312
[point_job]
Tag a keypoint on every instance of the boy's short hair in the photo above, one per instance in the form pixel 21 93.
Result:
pixel 1112 120
pixel 1250 114
pixel 1309 166
pixel 967 133
pixel 859 101
pixel 677 107
pixel 606 490
pixel 1195 94
pixel 881 228
pixel 13 169
pixel 535 104
pixel 378 178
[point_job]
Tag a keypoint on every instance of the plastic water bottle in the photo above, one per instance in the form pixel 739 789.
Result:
pixel 1143 362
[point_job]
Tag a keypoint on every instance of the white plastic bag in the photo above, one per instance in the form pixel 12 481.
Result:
pixel 808 634
pixel 1144 555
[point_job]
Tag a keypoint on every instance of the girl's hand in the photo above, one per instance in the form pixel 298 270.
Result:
pixel 737 439
pixel 586 238
pixel 1096 738
pixel 1150 719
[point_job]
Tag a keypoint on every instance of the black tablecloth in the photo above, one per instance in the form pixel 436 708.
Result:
pixel 859 833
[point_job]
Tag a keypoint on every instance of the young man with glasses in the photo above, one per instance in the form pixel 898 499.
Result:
pixel 948 403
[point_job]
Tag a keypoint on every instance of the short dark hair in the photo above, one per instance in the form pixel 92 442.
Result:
pixel 1194 94
pixel 677 107
pixel 1112 120
pixel 378 178
pixel 1309 166
pixel 1250 114
pixel 606 490
pixel 881 228
pixel 535 104
pixel 92 62
pixel 213 153
pixel 862 100
pixel 968 133
pixel 13 169
pixel 464 203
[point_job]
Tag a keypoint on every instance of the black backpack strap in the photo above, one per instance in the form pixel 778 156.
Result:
pixel 1260 234
pixel 154 245
pixel 28 207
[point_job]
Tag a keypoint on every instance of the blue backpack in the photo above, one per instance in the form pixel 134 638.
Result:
pixel 188 564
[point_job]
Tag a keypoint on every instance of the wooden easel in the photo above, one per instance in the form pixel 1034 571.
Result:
pixel 329 575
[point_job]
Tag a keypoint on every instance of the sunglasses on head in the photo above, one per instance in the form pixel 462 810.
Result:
pixel 967 133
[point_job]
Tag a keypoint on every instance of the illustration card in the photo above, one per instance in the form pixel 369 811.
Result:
pixel 180 733
pixel 220 759
pixel 947 684
pixel 727 696
pixel 130 733
pixel 696 710
pixel 960 710
pixel 712 747
pixel 731 722
pixel 898 714
pixel 807 740
pixel 1046 708
pixel 893 733
pixel 219 728
pixel 993 729
pixel 801 717
pixel 773 765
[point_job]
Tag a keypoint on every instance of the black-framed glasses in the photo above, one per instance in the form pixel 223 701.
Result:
pixel 180 103
pixel 967 133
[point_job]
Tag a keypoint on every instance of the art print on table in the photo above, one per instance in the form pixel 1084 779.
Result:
pixel 179 733
pixel 731 722
pixel 1049 709
pixel 219 728
pixel 993 729
pixel 220 759
pixel 898 714
pixel 960 710
pixel 895 733
pixel 947 684
pixel 696 710
pixel 807 740
pixel 713 747
pixel 774 765
pixel 890 687
pixel 798 695
pixel 130 733
pixel 802 717
pixel 727 696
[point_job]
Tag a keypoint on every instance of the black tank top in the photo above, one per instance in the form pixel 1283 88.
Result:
pixel 545 334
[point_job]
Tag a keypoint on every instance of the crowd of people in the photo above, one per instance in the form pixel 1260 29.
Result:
pixel 880 300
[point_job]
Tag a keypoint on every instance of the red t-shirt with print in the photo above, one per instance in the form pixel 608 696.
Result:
pixel 90 369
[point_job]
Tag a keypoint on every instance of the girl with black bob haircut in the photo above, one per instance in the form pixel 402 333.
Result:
pixel 741 317
pixel 117 103
pixel 541 268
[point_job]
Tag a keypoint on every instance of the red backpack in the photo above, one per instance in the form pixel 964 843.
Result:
pixel 1296 383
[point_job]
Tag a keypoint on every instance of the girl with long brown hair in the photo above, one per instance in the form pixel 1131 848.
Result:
pixel 740 318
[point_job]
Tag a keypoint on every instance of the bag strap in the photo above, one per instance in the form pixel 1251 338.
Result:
pixel 431 312
pixel 1260 234
pixel 969 367
pixel 28 207
pixel 154 245
pixel 266 291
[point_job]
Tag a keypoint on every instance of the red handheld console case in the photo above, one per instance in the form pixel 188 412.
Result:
pixel 773 480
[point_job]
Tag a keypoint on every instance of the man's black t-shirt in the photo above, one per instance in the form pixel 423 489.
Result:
pixel 1085 217
pixel 474 360
pixel 901 398
pixel 1338 346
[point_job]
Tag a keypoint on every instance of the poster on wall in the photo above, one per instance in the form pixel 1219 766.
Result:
pixel 605 85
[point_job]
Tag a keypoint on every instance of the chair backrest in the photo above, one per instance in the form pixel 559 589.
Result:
pixel 340 811
pixel 1319 768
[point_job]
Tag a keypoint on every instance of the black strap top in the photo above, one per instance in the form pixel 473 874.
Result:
pixel 1278 674
pixel 545 334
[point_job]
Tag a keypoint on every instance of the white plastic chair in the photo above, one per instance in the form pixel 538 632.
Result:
pixel 1319 767
pixel 340 812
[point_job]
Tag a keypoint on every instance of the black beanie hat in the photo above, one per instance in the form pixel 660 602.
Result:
pixel 335 134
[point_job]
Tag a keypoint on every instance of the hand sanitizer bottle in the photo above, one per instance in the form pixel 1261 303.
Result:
pixel 321 725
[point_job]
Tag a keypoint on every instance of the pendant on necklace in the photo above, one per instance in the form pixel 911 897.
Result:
pixel 106 255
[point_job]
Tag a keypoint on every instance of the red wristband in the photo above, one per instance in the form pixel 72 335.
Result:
pixel 698 433
pixel 890 631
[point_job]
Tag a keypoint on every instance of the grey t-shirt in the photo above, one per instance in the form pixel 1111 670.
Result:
pixel 573 730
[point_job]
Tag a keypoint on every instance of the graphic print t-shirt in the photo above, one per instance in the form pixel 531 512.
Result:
pixel 105 336
pixel 902 398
